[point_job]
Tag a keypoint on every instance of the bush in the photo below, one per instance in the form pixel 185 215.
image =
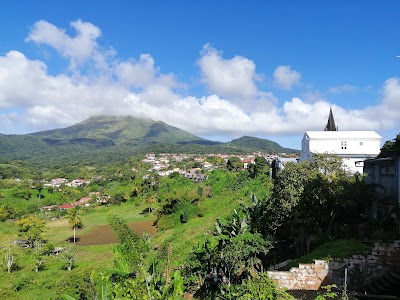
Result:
pixel 77 284
pixel 168 222
pixel 262 287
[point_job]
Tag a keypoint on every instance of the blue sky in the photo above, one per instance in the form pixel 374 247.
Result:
pixel 218 69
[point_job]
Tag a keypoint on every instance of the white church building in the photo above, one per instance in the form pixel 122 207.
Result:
pixel 352 146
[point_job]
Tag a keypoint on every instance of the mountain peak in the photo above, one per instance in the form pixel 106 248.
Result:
pixel 117 130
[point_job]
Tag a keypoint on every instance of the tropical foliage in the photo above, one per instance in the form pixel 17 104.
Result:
pixel 214 238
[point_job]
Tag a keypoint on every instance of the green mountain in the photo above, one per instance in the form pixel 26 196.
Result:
pixel 111 131
pixel 261 145
pixel 112 138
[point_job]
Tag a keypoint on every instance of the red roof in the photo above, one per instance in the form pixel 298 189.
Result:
pixel 66 206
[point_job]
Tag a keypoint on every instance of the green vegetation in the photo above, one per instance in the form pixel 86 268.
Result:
pixel 147 235
pixel 333 249
pixel 262 145
pixel 391 146
pixel 220 224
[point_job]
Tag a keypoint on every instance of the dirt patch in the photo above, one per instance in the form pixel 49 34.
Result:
pixel 103 234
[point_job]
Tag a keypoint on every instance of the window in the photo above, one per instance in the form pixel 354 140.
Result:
pixel 361 143
pixel 344 144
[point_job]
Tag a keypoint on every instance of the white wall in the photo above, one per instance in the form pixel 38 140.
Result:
pixel 352 150
pixel 353 146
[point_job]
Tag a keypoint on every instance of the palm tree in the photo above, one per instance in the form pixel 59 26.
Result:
pixel 73 219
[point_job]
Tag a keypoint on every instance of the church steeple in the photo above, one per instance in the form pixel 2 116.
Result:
pixel 330 126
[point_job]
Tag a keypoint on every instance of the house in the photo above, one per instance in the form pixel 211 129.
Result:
pixel 56 182
pixel 383 173
pixel 247 161
pixel 352 146
pixel 207 165
pixel 65 206
pixel 78 182
pixel 195 176
pixel 48 208
pixel 83 202
pixel 165 173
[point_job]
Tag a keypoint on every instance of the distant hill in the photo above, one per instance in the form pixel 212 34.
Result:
pixel 262 145
pixel 111 131
pixel 112 138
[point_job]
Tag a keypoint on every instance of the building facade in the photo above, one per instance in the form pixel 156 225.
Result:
pixel 352 146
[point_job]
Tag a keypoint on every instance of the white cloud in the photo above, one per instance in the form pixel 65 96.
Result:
pixel 78 49
pixel 388 109
pixel 31 99
pixel 136 74
pixel 231 78
pixel 341 89
pixel 286 78
pixel 142 73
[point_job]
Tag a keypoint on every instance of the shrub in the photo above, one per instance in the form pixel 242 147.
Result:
pixel 262 287
pixel 76 284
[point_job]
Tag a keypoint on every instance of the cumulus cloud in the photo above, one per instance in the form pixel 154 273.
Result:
pixel 142 73
pixel 232 78
pixel 388 109
pixel 286 78
pixel 31 99
pixel 78 49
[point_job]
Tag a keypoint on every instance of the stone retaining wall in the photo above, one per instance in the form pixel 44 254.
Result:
pixel 383 257
pixel 305 277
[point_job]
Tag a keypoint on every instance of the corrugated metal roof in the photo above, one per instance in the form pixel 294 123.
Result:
pixel 343 135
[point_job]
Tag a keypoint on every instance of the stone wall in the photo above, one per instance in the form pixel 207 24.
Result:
pixel 305 277
pixel 380 259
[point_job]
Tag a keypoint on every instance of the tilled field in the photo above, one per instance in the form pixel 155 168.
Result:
pixel 104 235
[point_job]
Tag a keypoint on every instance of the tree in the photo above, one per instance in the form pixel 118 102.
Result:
pixel 132 247
pixel 259 167
pixel 39 187
pixel 23 192
pixel 3 213
pixel 233 253
pixel 69 194
pixel 151 199
pixel 32 227
pixel 9 258
pixel 74 220
pixel 234 164
pixel 38 255
pixel 392 145
pixel 309 199
pixel 68 255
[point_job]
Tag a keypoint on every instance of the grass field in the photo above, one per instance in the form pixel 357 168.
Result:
pixel 95 244
pixel 95 250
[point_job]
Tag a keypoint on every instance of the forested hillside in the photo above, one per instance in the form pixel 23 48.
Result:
pixel 124 231
pixel 105 139
pixel 262 145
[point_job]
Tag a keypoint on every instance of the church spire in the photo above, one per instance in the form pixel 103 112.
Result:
pixel 330 126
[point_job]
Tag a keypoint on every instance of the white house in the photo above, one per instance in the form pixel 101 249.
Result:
pixel 352 146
